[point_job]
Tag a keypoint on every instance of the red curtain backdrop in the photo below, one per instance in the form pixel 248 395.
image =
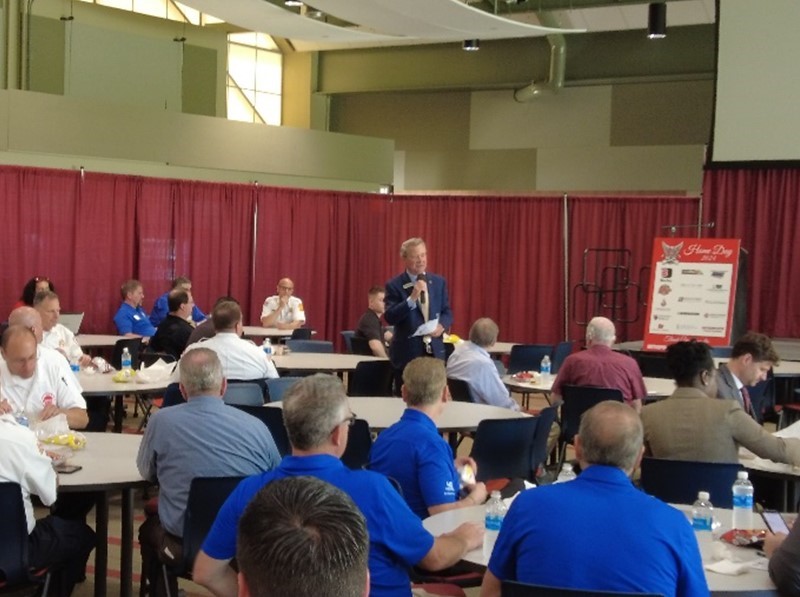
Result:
pixel 762 208
pixel 502 256
pixel 629 223
pixel 497 254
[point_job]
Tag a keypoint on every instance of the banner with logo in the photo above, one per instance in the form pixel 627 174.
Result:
pixel 692 289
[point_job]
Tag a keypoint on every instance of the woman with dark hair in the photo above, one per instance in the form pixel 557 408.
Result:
pixel 692 424
pixel 30 289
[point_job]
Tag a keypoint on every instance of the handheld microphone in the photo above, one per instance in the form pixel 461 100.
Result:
pixel 422 295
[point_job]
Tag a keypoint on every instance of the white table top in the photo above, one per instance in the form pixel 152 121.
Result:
pixel 257 331
pixel 381 413
pixel 102 384
pixel 501 348
pixel 313 361
pixel 108 461
pixel 752 580
pixel 656 386
pixel 97 340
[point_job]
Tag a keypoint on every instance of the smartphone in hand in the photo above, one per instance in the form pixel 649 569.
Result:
pixel 66 469
pixel 775 522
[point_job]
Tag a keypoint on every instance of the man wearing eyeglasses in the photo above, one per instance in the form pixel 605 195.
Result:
pixel 283 310
pixel 317 419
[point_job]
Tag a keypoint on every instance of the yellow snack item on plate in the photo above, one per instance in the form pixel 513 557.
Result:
pixel 76 441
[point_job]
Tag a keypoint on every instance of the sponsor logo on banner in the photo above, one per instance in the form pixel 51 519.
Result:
pixel 689 299
pixel 691 272
pixel 689 313
pixel 664 289
pixel 718 274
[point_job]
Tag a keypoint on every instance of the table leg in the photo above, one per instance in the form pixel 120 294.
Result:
pixel 452 439
pixel 126 549
pixel 119 412
pixel 101 551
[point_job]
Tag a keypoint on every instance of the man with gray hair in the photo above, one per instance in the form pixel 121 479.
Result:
pixel 317 418
pixel 202 438
pixel 413 299
pixel 601 505
pixel 472 363
pixel 602 367
pixel 414 454
pixel 303 537
pixel 56 335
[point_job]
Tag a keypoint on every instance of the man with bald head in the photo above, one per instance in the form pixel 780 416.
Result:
pixel 602 367
pixel 283 310
pixel 203 438
pixel 601 505
pixel 36 380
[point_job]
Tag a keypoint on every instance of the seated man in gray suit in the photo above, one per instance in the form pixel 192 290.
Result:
pixel 752 358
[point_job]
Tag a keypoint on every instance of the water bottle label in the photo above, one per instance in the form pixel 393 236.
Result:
pixel 493 523
pixel 701 524
pixel 743 501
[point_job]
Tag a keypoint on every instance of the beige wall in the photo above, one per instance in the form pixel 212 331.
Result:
pixel 44 129
pixel 114 91
pixel 624 137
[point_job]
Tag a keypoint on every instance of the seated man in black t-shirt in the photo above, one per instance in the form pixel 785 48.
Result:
pixel 369 326
pixel 173 333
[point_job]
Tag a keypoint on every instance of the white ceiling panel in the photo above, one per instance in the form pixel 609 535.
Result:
pixel 261 16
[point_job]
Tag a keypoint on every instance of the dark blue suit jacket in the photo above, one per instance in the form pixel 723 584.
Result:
pixel 406 320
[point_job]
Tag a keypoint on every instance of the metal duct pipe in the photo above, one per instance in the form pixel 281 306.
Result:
pixel 558 61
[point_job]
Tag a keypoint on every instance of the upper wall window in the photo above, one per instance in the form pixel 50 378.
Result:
pixel 254 78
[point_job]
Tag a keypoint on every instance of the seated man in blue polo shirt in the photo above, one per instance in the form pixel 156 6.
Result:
pixel 414 454
pixel 600 533
pixel 131 319
pixel 161 306
pixel 317 419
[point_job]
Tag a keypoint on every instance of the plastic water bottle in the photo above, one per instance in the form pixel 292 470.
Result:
pixel 125 361
pixel 267 347
pixel 566 474
pixel 742 502
pixel 702 512
pixel 703 520
pixel 544 367
pixel 495 513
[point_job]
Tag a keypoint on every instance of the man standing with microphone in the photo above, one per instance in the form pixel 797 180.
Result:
pixel 418 307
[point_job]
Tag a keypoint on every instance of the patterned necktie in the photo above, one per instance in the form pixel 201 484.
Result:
pixel 748 406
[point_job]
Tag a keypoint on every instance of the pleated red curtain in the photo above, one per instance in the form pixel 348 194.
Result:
pixel 610 246
pixel 762 208
pixel 497 254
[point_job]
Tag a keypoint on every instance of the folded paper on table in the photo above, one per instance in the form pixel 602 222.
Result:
pixel 728 567
pixel 158 371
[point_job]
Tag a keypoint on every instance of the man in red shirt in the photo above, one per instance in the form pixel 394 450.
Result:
pixel 602 367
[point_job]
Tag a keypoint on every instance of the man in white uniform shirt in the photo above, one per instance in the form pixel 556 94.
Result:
pixel 56 335
pixel 283 311
pixel 241 359
pixel 61 543
pixel 37 380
